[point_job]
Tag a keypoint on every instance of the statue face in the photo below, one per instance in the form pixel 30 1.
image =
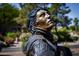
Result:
pixel 43 19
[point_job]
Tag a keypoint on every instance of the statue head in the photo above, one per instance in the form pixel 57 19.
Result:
pixel 39 18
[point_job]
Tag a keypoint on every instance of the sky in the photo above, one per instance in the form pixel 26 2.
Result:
pixel 74 10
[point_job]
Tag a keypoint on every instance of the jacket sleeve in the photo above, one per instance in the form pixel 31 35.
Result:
pixel 41 48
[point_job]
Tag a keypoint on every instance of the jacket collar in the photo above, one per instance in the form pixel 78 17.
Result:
pixel 46 34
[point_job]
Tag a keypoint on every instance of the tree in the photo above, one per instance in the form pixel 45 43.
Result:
pixel 25 10
pixel 59 17
pixel 7 14
pixel 76 23
pixel 59 12
pixel 54 12
pixel 54 9
pixel 65 20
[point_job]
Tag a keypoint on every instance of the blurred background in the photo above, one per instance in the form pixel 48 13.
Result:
pixel 14 20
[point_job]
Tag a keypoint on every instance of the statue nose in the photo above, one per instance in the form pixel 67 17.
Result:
pixel 47 16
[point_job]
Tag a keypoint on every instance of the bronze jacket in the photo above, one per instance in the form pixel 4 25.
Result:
pixel 40 44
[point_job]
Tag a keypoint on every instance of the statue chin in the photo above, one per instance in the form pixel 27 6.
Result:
pixel 49 27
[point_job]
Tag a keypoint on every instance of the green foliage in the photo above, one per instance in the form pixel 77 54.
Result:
pixel 76 23
pixel 58 12
pixel 23 16
pixel 7 14
pixel 1 38
pixel 10 37
pixel 7 11
pixel 64 36
pixel 72 28
pixel 10 17
pixel 25 38
pixel 8 40
pixel 11 34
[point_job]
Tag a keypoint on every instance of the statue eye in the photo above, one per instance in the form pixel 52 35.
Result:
pixel 42 14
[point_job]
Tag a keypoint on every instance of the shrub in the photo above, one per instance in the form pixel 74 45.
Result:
pixel 10 37
pixel 9 40
pixel 25 38
pixel 11 34
pixel 65 37
pixel 1 38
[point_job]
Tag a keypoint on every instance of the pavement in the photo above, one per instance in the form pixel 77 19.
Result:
pixel 16 49
pixel 74 47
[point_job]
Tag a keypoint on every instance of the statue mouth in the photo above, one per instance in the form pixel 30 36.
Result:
pixel 49 21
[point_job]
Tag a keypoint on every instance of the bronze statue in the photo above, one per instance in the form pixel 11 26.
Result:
pixel 41 41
